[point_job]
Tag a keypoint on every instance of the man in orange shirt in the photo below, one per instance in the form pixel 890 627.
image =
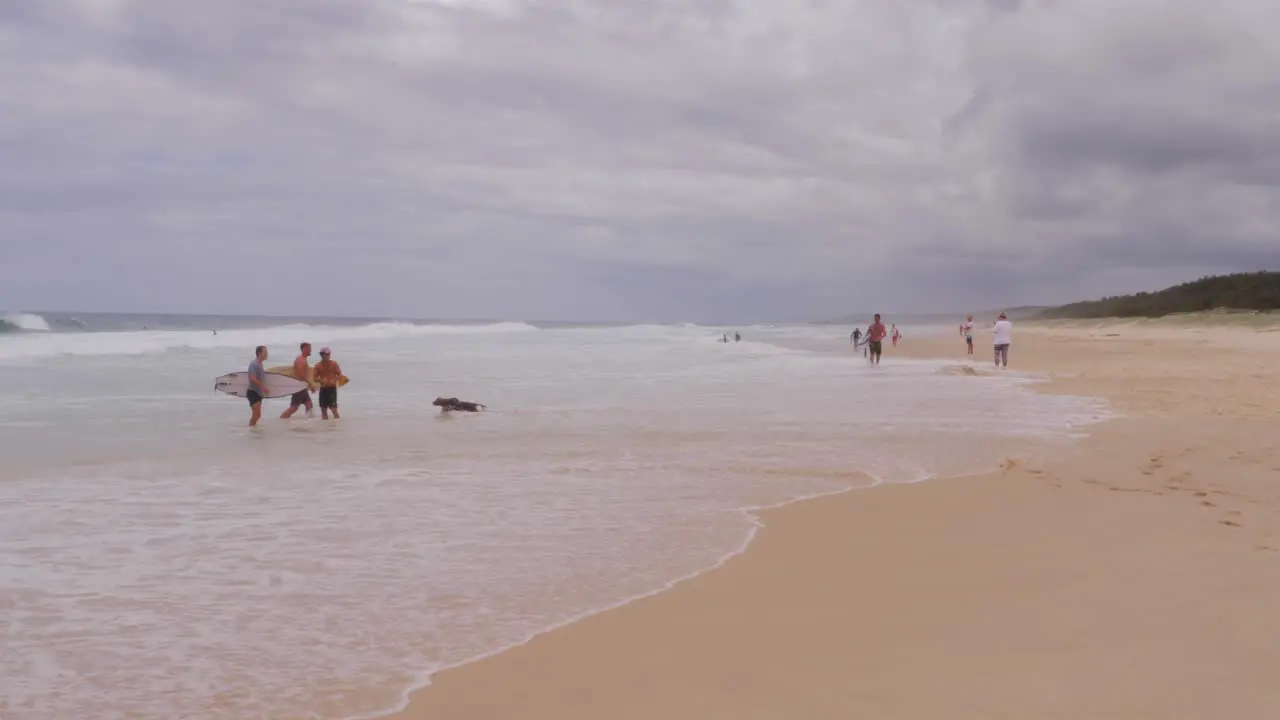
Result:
pixel 875 338
pixel 327 373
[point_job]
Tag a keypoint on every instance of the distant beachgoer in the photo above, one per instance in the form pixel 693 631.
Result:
pixel 257 384
pixel 875 338
pixel 966 329
pixel 897 335
pixel 301 371
pixel 737 337
pixel 858 342
pixel 327 374
pixel 1003 331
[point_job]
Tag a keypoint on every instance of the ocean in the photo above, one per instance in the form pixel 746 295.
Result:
pixel 159 559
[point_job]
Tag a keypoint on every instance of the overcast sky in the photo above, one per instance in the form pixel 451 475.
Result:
pixel 629 159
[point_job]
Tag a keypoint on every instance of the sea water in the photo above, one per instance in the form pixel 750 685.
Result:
pixel 159 559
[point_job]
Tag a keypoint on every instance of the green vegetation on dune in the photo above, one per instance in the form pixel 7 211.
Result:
pixel 1239 291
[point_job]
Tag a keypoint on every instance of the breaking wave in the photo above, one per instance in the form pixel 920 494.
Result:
pixel 30 345
pixel 22 322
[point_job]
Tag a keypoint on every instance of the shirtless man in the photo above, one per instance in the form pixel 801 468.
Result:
pixel 875 339
pixel 328 373
pixel 301 371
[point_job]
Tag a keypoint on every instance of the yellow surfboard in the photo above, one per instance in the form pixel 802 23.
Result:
pixel 288 370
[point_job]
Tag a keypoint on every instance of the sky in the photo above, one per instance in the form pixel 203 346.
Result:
pixel 625 160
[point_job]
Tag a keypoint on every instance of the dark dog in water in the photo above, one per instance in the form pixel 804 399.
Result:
pixel 451 404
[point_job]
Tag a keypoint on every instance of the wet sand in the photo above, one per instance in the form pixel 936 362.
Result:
pixel 1137 578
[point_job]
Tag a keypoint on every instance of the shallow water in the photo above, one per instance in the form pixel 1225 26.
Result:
pixel 160 560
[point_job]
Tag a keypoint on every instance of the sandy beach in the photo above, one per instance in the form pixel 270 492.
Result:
pixel 1137 578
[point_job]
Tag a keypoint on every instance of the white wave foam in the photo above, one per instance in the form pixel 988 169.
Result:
pixel 755 523
pixel 157 341
pixel 25 321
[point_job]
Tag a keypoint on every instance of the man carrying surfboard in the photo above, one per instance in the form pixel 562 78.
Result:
pixel 301 371
pixel 328 375
pixel 257 384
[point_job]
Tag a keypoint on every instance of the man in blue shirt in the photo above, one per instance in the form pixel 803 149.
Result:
pixel 257 384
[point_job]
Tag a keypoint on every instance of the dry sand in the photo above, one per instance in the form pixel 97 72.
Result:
pixel 1138 578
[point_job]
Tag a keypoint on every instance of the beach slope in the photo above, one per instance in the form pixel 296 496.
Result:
pixel 1136 578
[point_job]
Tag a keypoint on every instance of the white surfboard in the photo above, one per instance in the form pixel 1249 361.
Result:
pixel 278 385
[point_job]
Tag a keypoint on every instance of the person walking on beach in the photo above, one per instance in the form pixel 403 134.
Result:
pixel 966 329
pixel 858 344
pixel 1003 331
pixel 875 340
pixel 328 373
pixel 301 371
pixel 257 384
pixel 896 334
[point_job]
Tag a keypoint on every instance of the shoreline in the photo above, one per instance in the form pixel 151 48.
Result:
pixel 756 516
pixel 753 514
pixel 509 667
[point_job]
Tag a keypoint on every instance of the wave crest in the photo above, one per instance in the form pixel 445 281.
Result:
pixel 142 342
pixel 23 322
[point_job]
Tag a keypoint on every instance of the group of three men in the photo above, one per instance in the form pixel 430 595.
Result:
pixel 325 376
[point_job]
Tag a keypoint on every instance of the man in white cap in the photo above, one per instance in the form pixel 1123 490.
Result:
pixel 1003 339
pixel 327 374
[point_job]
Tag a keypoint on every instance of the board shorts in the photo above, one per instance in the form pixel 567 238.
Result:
pixel 874 345
pixel 302 397
pixel 328 397
pixel 254 397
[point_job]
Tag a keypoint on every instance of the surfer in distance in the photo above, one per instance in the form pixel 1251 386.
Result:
pixel 301 371
pixel 327 374
pixel 257 384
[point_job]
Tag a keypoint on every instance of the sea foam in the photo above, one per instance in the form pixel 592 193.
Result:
pixel 159 560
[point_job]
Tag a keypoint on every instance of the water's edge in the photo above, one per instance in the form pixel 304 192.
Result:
pixel 754 516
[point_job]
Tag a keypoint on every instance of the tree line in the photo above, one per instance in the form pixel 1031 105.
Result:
pixel 1237 291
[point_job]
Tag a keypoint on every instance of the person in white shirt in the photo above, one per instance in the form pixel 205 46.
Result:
pixel 1003 331
pixel 966 329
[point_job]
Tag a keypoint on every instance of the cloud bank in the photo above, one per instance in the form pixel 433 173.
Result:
pixel 693 160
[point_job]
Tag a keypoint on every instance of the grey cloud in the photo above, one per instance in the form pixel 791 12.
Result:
pixel 626 160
